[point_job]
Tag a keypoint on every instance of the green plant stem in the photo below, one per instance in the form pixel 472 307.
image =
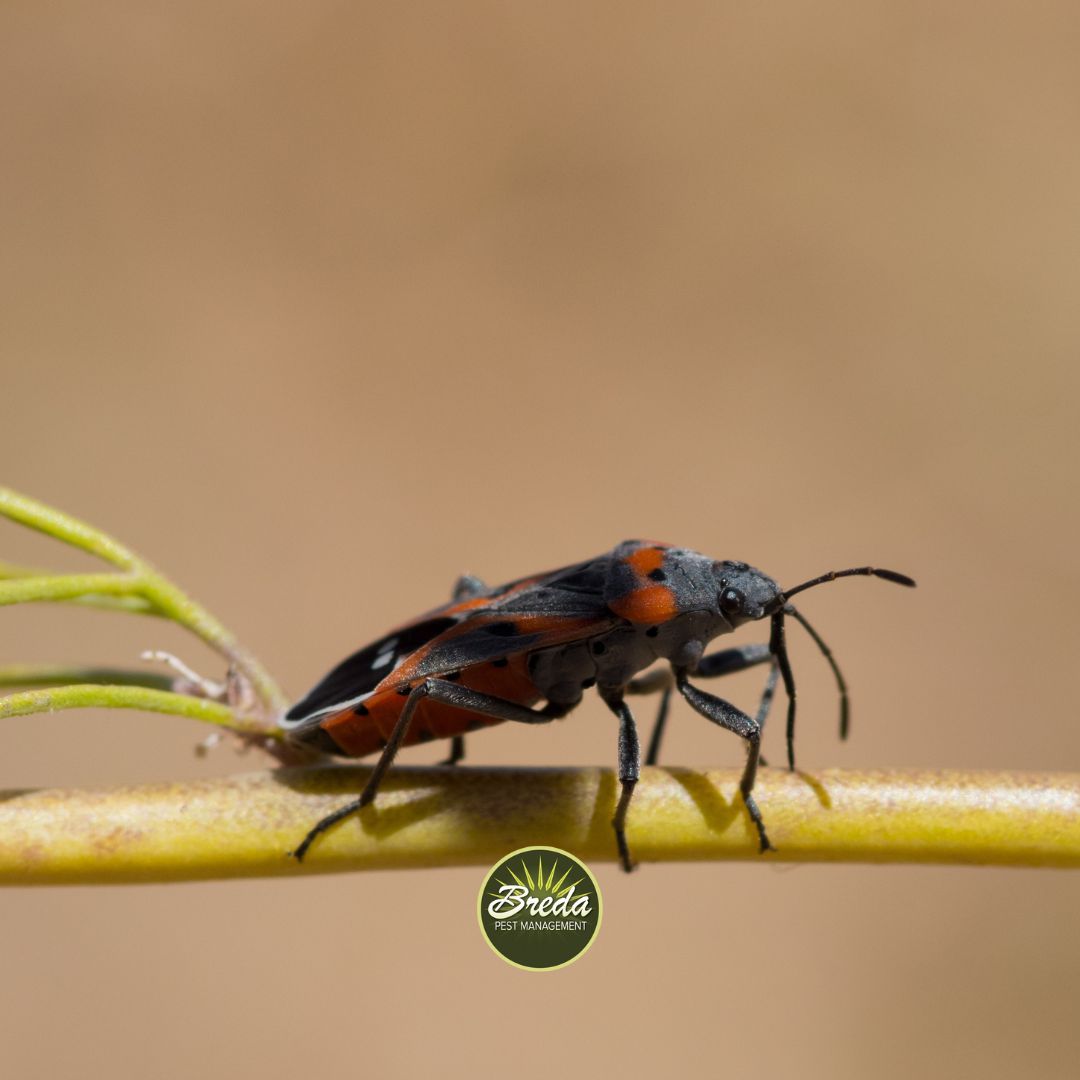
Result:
pixel 59 674
pixel 56 587
pixel 175 605
pixel 69 530
pixel 91 695
pixel 139 585
pixel 243 826
pixel 135 605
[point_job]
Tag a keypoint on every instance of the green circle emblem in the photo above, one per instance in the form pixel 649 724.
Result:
pixel 539 908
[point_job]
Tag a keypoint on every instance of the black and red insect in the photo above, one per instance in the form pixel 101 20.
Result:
pixel 496 654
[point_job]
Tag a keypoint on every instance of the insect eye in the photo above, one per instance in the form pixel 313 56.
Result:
pixel 731 601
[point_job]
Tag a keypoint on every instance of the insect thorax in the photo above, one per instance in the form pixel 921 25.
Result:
pixel 610 660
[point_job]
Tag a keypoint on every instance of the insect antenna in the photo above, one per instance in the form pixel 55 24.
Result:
pixel 778 644
pixel 858 571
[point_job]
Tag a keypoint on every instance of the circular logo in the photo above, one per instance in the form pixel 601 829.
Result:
pixel 539 908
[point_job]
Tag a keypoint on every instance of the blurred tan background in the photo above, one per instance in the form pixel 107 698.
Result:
pixel 320 305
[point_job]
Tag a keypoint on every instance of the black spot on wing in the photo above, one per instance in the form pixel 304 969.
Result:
pixel 621 580
pixel 358 674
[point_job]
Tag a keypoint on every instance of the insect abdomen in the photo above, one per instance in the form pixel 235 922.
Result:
pixel 365 728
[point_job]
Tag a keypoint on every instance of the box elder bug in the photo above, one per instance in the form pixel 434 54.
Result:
pixel 492 654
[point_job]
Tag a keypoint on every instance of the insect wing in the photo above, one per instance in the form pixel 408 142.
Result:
pixel 556 608
pixel 547 609
pixel 359 674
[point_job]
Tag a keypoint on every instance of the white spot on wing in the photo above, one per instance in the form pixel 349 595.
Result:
pixel 387 654
pixel 338 706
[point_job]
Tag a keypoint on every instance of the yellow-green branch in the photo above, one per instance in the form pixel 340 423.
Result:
pixel 59 674
pixel 135 605
pixel 243 826
pixel 145 698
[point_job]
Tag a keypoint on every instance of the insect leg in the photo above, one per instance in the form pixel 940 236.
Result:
pixel 719 663
pixel 417 695
pixel 656 681
pixel 727 716
pixel 765 704
pixel 460 697
pixel 778 647
pixel 728 660
pixel 766 701
pixel 653 754
pixel 629 770
pixel 467 586
pixel 457 750
pixel 739 659
pixel 450 694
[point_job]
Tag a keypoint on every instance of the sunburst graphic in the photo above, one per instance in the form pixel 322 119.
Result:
pixel 531 913
pixel 536 883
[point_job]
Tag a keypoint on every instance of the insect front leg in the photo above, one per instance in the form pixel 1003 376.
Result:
pixel 629 770
pixel 766 701
pixel 709 667
pixel 728 716
pixel 739 659
pixel 448 693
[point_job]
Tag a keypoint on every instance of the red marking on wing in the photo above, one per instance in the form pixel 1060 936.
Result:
pixel 532 632
pixel 648 602
pixel 474 603
pixel 360 735
pixel 645 560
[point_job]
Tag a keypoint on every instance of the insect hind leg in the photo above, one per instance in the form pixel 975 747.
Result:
pixel 416 695
pixel 447 693
pixel 457 750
